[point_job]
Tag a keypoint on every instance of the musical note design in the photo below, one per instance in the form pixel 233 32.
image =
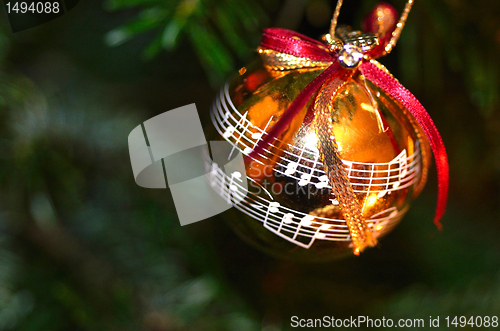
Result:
pixel 213 173
pixel 225 116
pixel 235 174
pixel 243 135
pixel 222 186
pixel 291 167
pixel 301 233
pixel 273 208
pixel 287 219
pixel 323 182
pixel 398 165
pixel 304 229
pixel 257 136
pixel 320 234
pixel 229 131
pixel 376 179
pixel 307 220
pixel 364 177
pixel 240 134
pixel 232 187
pixel 349 165
pixel 335 202
pixel 306 177
pixel 222 115
pixel 402 167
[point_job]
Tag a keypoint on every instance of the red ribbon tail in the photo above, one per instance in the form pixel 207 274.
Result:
pixel 391 86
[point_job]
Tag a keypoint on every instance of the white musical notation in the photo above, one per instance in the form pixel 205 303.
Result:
pixel 323 182
pixel 381 178
pixel 287 218
pixel 235 130
pixel 400 166
pixel 291 167
pixel 234 126
pixel 334 202
pixel 244 125
pixel 229 132
pixel 303 164
pixel 211 169
pixel 234 175
pixel 294 226
pixel 257 136
pixel 306 177
pixel 232 187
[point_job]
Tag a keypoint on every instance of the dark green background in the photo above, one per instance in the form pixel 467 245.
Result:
pixel 82 247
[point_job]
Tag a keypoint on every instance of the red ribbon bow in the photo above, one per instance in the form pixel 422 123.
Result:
pixel 290 42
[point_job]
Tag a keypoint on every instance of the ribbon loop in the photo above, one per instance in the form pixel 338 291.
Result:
pixel 290 42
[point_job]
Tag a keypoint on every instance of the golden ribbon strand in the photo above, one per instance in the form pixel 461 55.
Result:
pixel 361 235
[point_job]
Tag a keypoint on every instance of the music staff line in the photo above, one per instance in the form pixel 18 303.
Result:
pixel 227 113
pixel 410 173
pixel 411 168
pixel 241 192
pixel 284 220
pixel 276 225
pixel 271 216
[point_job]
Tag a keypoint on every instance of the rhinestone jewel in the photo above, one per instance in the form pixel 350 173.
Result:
pixel 350 56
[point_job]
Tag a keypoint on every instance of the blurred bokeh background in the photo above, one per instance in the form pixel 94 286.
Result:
pixel 82 247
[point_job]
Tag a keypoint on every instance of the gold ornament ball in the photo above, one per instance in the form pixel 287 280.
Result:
pixel 289 210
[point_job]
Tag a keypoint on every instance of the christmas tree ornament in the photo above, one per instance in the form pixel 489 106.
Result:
pixel 335 147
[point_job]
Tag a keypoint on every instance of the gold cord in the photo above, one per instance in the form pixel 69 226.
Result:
pixel 361 235
pixel 333 25
pixel 399 27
